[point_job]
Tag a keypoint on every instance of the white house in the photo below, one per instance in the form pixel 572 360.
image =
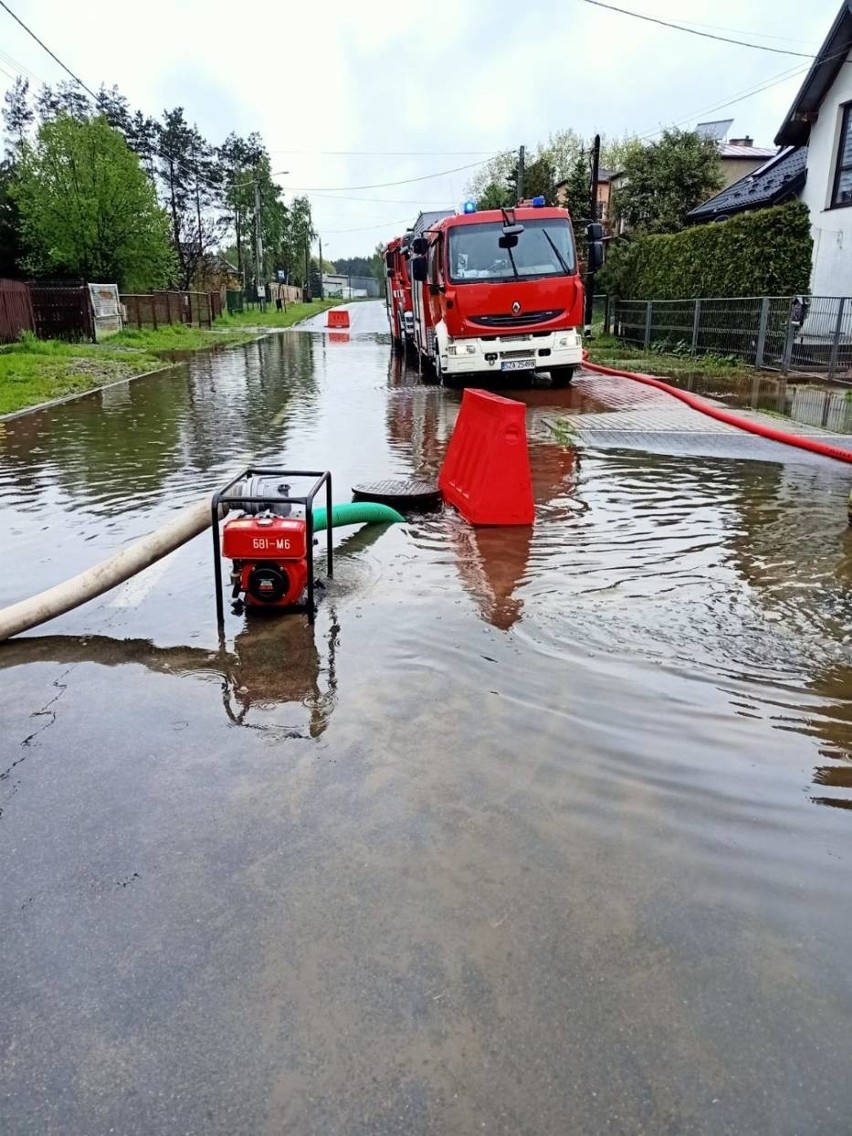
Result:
pixel 821 119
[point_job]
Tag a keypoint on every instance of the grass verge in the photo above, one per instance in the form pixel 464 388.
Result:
pixel 295 313
pixel 35 371
pixel 176 337
pixel 611 352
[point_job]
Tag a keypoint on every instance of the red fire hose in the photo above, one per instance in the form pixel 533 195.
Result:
pixel 801 441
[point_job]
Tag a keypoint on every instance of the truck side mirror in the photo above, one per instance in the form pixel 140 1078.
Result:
pixel 419 269
pixel 419 246
pixel 594 232
pixel 596 254
pixel 389 261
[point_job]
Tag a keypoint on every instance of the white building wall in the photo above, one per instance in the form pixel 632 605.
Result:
pixel 831 228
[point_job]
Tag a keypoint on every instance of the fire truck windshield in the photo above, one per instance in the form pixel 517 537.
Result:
pixel 544 248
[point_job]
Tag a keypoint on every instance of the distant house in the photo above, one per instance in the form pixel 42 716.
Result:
pixel 821 120
pixel 739 157
pixel 780 179
pixel 606 184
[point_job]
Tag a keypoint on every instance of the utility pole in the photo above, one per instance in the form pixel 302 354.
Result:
pixel 258 247
pixel 322 294
pixel 520 186
pixel 307 268
pixel 593 199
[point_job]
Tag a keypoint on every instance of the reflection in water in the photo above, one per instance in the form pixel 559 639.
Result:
pixel 275 662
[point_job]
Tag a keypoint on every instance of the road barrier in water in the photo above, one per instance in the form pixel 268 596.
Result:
pixel 337 317
pixel 486 473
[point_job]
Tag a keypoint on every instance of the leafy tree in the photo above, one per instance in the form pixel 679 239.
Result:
pixel 88 210
pixel 495 196
pixel 666 179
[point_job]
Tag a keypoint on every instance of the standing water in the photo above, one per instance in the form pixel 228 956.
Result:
pixel 537 831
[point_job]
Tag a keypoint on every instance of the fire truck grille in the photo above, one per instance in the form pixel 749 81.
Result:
pixel 522 320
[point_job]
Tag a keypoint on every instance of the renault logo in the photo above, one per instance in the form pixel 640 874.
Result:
pixel 516 308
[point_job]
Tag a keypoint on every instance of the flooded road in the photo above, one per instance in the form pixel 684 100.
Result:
pixel 538 832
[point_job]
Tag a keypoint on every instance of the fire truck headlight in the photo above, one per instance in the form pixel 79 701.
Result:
pixel 451 349
pixel 470 348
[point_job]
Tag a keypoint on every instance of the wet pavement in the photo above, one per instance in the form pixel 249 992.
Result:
pixel 537 832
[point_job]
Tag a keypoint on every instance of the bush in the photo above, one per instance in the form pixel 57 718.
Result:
pixel 764 253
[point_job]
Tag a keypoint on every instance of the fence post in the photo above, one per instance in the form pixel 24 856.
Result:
pixel 649 308
pixel 835 343
pixel 759 355
pixel 788 342
pixel 696 325
pixel 138 305
pixel 606 314
pixel 154 311
pixel 826 405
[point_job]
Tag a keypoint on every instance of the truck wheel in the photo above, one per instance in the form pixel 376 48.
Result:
pixel 561 376
pixel 448 381
pixel 428 374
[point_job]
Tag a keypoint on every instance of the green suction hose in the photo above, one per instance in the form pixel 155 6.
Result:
pixel 356 513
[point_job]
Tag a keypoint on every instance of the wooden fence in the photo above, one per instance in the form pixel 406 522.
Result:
pixel 16 310
pixel 62 311
pixel 156 309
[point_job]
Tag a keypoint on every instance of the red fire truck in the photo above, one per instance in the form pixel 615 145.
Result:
pixel 398 295
pixel 500 292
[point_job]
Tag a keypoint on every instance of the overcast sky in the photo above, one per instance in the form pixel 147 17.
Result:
pixel 445 82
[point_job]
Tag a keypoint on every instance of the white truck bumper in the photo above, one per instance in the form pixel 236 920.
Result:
pixel 512 353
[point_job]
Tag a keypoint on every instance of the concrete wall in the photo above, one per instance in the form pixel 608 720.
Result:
pixel 832 228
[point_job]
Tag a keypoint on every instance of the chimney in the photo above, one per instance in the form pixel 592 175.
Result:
pixel 741 141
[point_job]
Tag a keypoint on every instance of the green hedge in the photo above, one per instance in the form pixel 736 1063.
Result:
pixel 764 253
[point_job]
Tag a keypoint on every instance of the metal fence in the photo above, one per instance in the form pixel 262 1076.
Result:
pixel 811 334
pixel 62 311
pixel 16 310
pixel 157 309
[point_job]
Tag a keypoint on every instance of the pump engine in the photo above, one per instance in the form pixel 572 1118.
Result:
pixel 269 546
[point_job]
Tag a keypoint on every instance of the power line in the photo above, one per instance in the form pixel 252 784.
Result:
pixel 365 228
pixel 388 153
pixel 695 31
pixel 43 45
pixel 384 184
pixel 383 200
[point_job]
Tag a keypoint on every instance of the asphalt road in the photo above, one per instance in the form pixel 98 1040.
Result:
pixel 538 832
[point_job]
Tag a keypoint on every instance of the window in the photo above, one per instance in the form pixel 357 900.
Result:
pixel 842 194
pixel 544 248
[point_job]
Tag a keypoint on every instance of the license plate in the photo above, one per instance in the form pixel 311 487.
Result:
pixel 518 365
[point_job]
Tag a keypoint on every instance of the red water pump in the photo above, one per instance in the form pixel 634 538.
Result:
pixel 271 548
pixel 270 555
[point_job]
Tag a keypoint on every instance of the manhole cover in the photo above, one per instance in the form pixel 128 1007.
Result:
pixel 399 494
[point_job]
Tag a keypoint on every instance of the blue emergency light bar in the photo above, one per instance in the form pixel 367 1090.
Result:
pixel 538 202
pixel 469 207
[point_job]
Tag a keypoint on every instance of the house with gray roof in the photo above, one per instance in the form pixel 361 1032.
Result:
pixel 814 164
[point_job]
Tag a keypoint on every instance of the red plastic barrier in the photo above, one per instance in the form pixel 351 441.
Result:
pixel 338 317
pixel 486 473
pixel 801 441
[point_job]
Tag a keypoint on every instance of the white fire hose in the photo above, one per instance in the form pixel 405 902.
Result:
pixel 100 578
